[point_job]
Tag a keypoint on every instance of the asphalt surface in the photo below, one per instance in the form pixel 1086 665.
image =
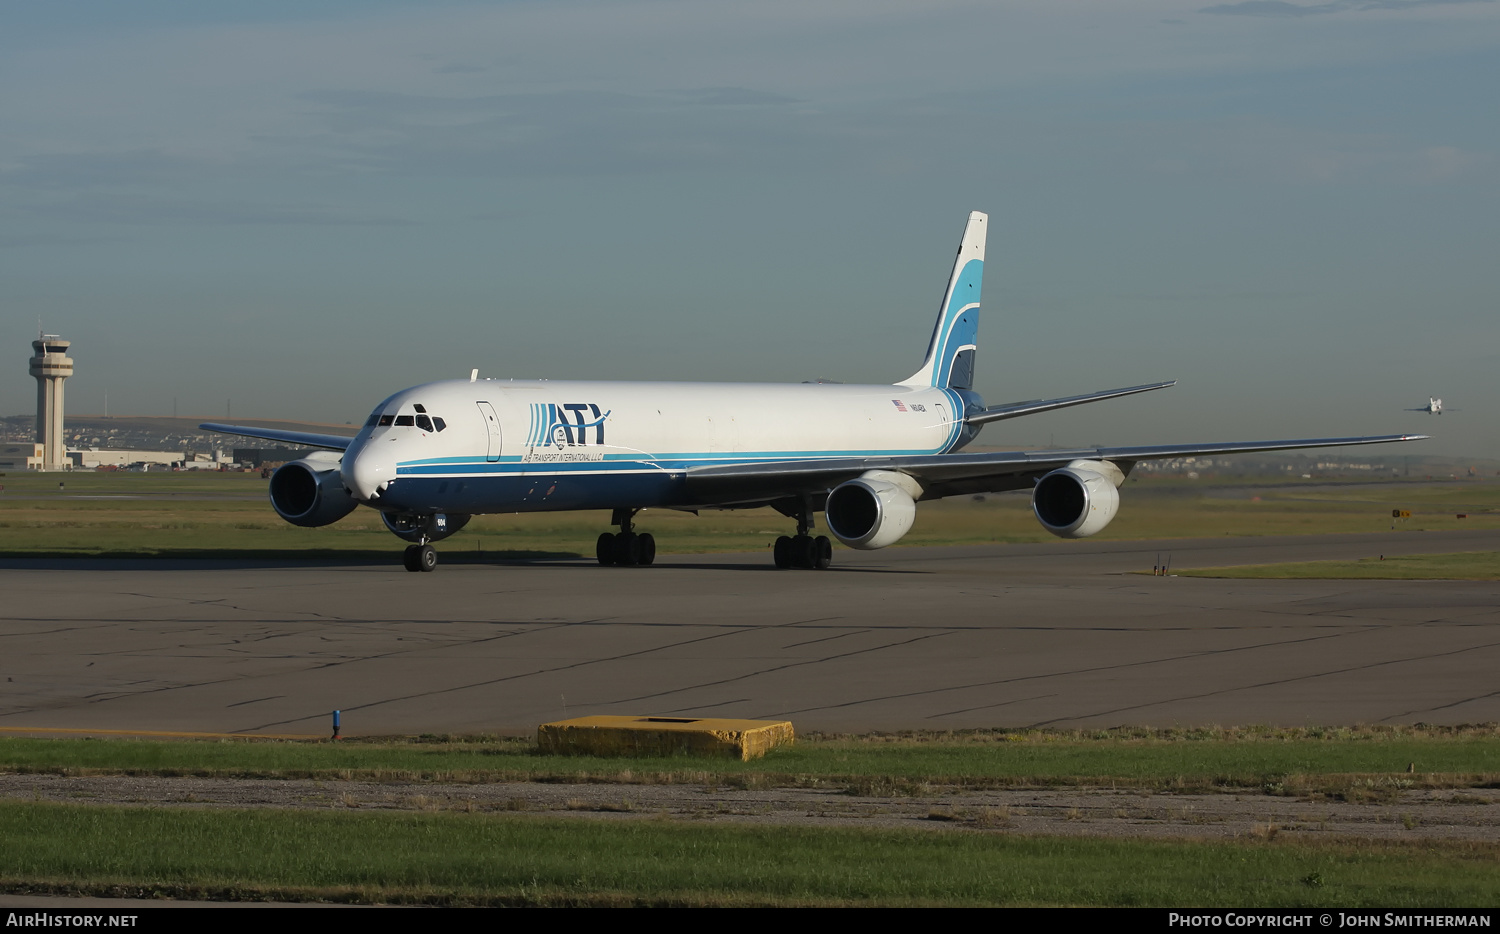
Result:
pixel 1057 634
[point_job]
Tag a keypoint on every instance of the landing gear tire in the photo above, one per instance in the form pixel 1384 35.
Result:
pixel 783 551
pixel 625 547
pixel 628 549
pixel 803 551
pixel 419 558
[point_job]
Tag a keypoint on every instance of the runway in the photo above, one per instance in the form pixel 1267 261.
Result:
pixel 1056 634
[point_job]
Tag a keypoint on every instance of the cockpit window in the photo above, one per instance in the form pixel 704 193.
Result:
pixel 422 420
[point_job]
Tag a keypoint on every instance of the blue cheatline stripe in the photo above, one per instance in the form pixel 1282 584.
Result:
pixel 514 465
pixel 711 457
pixel 476 459
pixel 950 337
pixel 693 459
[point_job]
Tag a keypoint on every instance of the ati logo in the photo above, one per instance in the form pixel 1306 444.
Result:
pixel 567 425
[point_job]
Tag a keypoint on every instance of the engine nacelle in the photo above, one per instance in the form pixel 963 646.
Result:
pixel 310 492
pixel 1078 500
pixel 436 527
pixel 874 510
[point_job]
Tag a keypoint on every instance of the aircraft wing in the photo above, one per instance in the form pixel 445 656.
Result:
pixel 951 474
pixel 304 439
pixel 996 413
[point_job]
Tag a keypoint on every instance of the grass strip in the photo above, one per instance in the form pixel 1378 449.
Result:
pixel 1466 565
pixel 226 516
pixel 1339 761
pixel 445 858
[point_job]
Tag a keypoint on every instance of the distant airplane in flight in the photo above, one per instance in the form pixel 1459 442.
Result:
pixel 430 457
pixel 1433 407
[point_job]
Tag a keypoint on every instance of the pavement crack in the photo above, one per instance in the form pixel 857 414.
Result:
pixel 1266 684
pixel 1056 674
pixel 775 668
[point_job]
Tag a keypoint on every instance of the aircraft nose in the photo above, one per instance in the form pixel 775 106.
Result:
pixel 365 474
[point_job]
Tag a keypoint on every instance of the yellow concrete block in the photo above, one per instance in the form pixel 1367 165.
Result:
pixel 664 736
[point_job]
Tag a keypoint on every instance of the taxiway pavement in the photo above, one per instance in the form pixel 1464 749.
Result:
pixel 1056 634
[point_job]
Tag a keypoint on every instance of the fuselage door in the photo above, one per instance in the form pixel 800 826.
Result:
pixel 492 426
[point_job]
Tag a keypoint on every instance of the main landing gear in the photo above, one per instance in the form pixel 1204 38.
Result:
pixel 802 550
pixel 626 548
pixel 421 557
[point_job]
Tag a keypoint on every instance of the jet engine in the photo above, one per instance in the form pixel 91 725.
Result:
pixel 873 510
pixel 436 527
pixel 310 492
pixel 1078 500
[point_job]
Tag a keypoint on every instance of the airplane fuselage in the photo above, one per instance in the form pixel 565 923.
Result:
pixel 526 446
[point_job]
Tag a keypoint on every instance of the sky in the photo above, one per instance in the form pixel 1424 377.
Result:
pixel 291 210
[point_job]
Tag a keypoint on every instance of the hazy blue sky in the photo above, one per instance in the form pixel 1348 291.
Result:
pixel 1290 207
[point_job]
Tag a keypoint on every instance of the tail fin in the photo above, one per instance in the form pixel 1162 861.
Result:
pixel 950 355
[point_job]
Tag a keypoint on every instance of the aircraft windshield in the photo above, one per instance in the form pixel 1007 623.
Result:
pixel 429 423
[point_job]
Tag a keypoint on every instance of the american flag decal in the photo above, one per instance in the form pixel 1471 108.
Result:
pixel 900 407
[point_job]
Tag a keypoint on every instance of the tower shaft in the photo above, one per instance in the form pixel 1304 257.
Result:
pixel 50 364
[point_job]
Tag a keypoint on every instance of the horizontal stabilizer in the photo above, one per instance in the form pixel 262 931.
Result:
pixel 996 413
pixel 305 439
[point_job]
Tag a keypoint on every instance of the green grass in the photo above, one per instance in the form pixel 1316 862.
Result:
pixel 1468 565
pixel 456 858
pixel 226 515
pixel 1343 762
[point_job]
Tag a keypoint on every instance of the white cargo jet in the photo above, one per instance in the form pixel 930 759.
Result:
pixel 1434 406
pixel 432 456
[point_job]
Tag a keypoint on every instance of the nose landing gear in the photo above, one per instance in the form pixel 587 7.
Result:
pixel 421 557
pixel 626 548
pixel 422 529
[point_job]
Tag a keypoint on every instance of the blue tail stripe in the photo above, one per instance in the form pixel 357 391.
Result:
pixel 960 324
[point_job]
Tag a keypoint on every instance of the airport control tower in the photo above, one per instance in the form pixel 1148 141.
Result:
pixel 50 364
